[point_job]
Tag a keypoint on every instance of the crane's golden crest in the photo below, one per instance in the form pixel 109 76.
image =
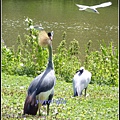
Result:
pixel 43 38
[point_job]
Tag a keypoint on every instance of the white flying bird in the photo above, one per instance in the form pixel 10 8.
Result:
pixel 93 8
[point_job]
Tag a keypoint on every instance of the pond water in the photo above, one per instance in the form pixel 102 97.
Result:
pixel 60 16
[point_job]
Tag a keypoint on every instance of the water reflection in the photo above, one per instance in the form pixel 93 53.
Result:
pixel 61 16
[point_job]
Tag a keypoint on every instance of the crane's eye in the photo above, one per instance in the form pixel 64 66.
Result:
pixel 50 36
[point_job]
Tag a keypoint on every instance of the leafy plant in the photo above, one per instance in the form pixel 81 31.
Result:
pixel 103 64
pixel 66 60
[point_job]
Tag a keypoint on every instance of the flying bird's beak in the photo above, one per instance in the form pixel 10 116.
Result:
pixel 97 12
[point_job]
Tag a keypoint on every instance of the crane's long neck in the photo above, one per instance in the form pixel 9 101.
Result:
pixel 50 63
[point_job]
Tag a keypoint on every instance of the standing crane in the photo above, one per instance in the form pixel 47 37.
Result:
pixel 80 81
pixel 41 89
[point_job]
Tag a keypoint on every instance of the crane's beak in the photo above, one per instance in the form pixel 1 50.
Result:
pixel 51 37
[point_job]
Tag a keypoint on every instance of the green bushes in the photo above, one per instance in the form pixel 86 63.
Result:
pixel 30 59
pixel 103 64
pixel 66 61
pixel 9 60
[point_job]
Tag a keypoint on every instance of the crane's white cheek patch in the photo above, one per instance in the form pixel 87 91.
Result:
pixel 43 96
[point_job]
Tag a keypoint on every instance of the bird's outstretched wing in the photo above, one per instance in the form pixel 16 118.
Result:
pixel 102 5
pixel 82 7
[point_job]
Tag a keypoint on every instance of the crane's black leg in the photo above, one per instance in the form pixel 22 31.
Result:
pixel 48 109
pixel 85 91
pixel 49 101
pixel 75 94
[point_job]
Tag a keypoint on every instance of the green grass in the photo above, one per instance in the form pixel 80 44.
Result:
pixel 101 104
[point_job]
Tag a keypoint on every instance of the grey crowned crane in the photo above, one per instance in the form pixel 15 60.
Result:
pixel 93 8
pixel 41 89
pixel 80 81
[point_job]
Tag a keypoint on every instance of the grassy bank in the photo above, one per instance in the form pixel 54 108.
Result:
pixel 101 104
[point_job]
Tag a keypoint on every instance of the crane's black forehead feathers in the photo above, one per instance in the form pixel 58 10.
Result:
pixel 49 34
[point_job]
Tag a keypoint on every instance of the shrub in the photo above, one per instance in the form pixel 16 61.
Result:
pixel 9 60
pixel 103 64
pixel 29 58
pixel 66 61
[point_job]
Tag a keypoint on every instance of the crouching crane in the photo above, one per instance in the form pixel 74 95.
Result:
pixel 80 81
pixel 41 89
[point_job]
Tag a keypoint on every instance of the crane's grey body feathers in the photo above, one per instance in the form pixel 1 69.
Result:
pixel 43 86
pixel 81 81
pixel 42 83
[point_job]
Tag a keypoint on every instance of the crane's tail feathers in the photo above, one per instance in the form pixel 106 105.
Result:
pixel 30 106
pixel 43 38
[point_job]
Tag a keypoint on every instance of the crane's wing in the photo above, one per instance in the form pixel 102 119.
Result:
pixel 82 7
pixel 102 5
pixel 42 83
